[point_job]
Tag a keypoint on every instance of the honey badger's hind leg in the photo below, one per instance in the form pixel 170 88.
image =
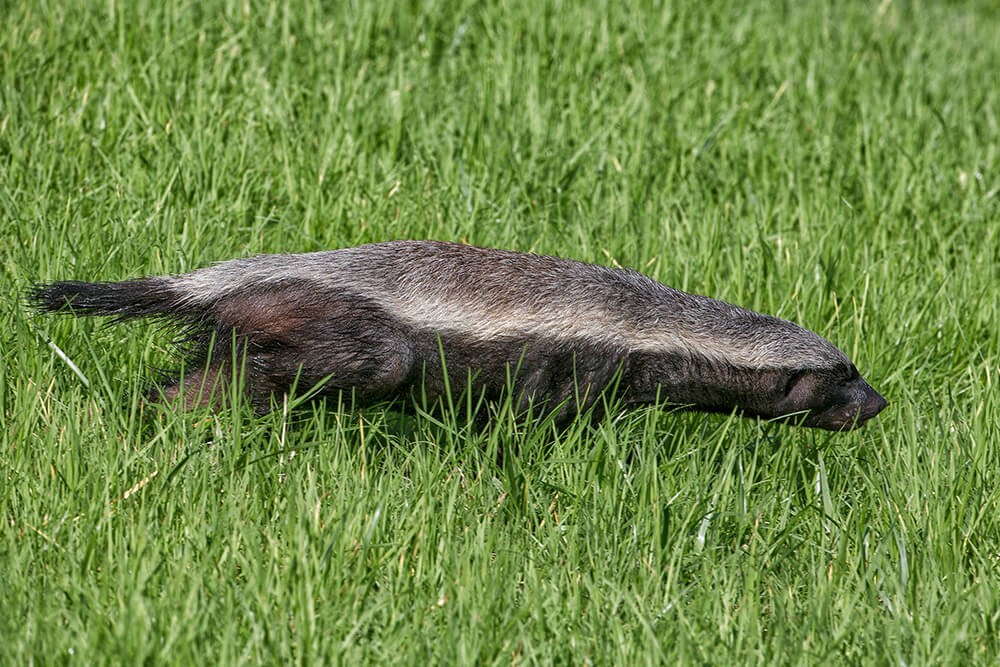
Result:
pixel 207 377
pixel 207 387
pixel 308 340
pixel 363 368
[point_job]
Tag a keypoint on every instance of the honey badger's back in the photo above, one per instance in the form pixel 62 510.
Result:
pixel 376 319
pixel 380 317
pixel 488 294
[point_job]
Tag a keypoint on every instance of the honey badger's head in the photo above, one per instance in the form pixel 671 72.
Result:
pixel 834 398
pixel 837 399
pixel 806 379
pixel 763 366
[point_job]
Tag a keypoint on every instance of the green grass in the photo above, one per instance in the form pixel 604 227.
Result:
pixel 836 166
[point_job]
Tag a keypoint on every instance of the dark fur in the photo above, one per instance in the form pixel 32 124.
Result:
pixel 375 320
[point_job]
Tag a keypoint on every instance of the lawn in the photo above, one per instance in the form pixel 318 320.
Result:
pixel 836 164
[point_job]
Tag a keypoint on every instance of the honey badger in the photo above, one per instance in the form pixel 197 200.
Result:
pixel 377 321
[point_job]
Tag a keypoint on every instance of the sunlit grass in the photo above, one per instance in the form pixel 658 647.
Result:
pixel 835 166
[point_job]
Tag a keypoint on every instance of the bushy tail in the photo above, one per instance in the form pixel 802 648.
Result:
pixel 124 301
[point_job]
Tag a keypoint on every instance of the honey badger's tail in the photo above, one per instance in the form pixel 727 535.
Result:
pixel 207 352
pixel 145 297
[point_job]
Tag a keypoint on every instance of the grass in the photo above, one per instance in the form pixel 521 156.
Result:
pixel 835 165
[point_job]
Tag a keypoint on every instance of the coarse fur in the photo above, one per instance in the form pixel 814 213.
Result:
pixel 377 320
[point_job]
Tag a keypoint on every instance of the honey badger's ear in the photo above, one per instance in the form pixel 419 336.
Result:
pixel 794 384
pixel 806 389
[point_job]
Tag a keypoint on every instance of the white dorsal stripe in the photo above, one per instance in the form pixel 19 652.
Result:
pixel 487 294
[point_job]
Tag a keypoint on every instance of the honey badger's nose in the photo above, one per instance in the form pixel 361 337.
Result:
pixel 871 403
pixel 863 403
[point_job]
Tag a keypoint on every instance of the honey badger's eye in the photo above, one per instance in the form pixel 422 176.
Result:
pixel 852 373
